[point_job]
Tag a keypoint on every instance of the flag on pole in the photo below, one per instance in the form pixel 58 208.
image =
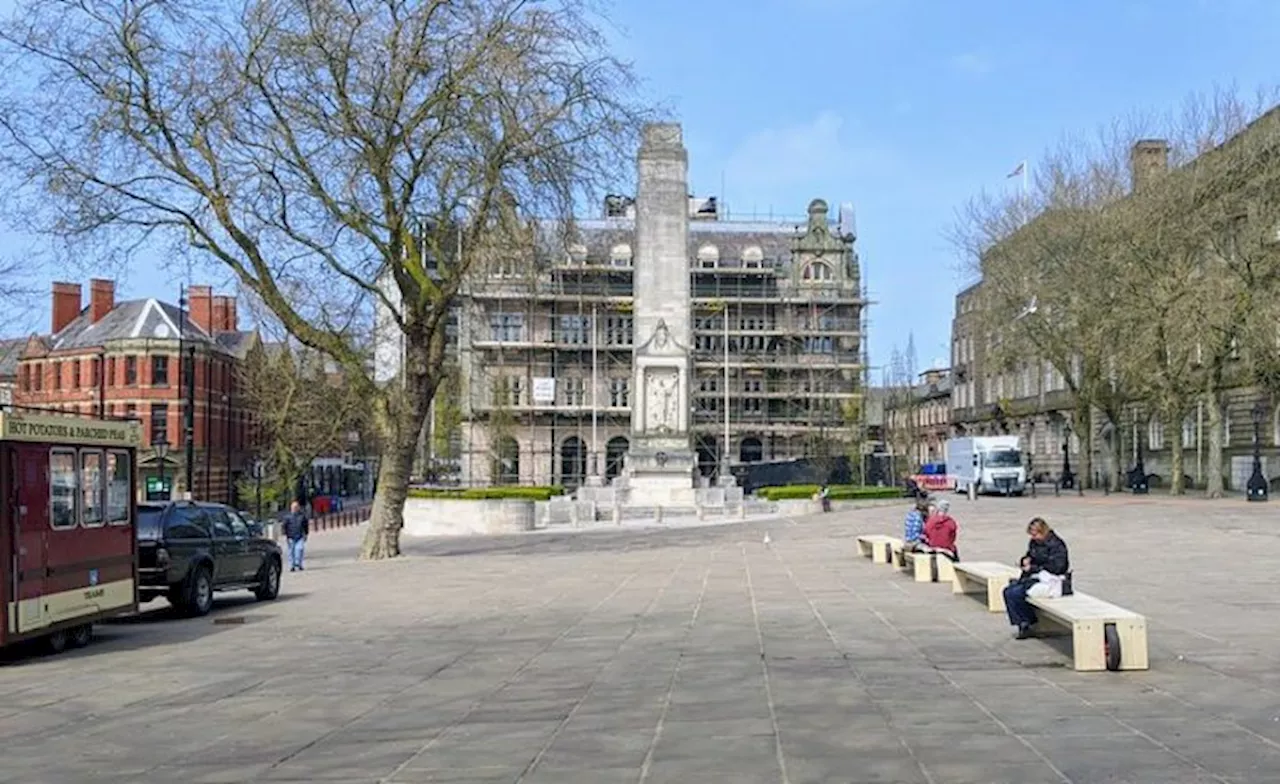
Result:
pixel 1017 172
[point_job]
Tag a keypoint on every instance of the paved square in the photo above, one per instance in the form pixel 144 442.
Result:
pixel 685 655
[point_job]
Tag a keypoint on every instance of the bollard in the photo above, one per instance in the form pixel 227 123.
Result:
pixel 973 491
pixel 702 512
pixel 1057 488
pixel 742 510
pixel 657 513
pixel 617 515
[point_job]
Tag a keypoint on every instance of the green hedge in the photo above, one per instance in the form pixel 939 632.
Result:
pixel 487 493
pixel 838 492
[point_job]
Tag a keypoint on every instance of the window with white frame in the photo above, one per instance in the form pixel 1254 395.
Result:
pixel 575 391
pixel 506 327
pixel 64 489
pixel 619 392
pixel 508 391
pixel 573 329
pixel 1155 433
pixel 617 330
pixel 1189 431
pixel 1226 428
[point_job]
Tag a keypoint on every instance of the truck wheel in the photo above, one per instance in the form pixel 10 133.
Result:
pixel 1111 646
pixel 82 635
pixel 199 597
pixel 269 583
pixel 56 642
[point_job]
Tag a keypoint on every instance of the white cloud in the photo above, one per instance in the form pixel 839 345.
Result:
pixel 972 63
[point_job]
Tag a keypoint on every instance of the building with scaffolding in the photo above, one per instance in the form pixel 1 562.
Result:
pixel 544 350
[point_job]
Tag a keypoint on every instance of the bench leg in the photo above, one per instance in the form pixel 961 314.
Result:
pixel 879 553
pixel 1133 644
pixel 1088 651
pixel 923 568
pixel 995 593
pixel 961 583
pixel 945 569
pixel 864 550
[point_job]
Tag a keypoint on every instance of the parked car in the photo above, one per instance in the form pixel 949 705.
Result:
pixel 188 550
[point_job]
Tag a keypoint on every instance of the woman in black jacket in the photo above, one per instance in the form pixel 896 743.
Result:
pixel 1046 553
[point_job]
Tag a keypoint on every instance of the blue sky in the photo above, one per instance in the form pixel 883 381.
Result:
pixel 904 107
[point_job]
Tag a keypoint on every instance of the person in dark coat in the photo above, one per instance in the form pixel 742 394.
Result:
pixel 296 528
pixel 1045 553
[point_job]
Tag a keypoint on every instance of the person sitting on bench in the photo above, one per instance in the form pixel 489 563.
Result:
pixel 940 531
pixel 1047 563
pixel 913 531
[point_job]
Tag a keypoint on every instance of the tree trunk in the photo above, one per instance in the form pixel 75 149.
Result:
pixel 1116 474
pixel 1082 423
pixel 1176 457
pixel 1213 399
pixel 386 519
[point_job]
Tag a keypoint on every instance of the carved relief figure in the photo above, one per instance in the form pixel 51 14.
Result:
pixel 661 401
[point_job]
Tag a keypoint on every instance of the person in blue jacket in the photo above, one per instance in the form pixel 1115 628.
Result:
pixel 296 528
pixel 913 531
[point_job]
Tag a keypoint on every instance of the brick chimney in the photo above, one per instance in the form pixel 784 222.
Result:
pixel 66 305
pixel 200 307
pixel 219 320
pixel 1148 159
pixel 224 313
pixel 102 298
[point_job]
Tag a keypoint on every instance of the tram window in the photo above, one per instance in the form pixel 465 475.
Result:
pixel 62 488
pixel 91 489
pixel 118 488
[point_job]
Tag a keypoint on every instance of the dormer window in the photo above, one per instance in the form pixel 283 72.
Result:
pixel 620 255
pixel 708 256
pixel 753 257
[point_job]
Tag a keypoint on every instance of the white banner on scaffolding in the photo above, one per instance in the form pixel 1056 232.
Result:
pixel 544 390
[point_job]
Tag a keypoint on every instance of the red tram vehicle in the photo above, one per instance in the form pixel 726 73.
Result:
pixel 68 553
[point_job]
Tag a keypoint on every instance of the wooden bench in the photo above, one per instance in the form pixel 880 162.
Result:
pixel 1103 636
pixel 927 567
pixel 880 549
pixel 983 578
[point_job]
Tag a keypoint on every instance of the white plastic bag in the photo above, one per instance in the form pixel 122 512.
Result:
pixel 1048 586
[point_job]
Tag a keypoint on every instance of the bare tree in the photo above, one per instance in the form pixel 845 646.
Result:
pixel 337 155
pixel 302 409
pixel 1045 296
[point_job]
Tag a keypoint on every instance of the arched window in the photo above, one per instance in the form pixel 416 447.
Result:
pixel 817 270
pixel 506 462
pixel 573 461
pixel 708 256
pixel 751 450
pixel 615 452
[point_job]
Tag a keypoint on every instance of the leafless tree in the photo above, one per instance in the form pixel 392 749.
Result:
pixel 338 156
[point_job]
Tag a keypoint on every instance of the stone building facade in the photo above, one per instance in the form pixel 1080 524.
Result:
pixel 918 420
pixel 545 350
pixel 1033 400
pixel 122 359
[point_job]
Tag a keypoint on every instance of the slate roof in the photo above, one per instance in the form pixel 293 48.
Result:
pixel 137 319
pixel 731 238
pixel 10 353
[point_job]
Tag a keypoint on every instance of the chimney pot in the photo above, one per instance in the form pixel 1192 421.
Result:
pixel 66 305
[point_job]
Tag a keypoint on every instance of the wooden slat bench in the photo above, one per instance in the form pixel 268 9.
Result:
pixel 984 578
pixel 1103 636
pixel 880 549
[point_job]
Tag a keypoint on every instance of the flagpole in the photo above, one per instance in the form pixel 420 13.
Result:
pixel 595 391
pixel 1025 167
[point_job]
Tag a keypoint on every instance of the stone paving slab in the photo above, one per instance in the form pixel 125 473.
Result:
pixel 688 654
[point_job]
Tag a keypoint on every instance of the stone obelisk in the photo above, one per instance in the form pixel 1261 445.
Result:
pixel 660 461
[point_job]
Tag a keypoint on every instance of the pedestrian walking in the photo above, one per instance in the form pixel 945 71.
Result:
pixel 296 528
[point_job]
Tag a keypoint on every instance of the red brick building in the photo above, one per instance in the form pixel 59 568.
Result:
pixel 122 359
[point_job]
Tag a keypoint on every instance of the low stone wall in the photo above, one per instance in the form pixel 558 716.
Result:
pixel 452 517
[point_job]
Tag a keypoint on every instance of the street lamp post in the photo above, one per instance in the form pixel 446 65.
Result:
pixel 1138 476
pixel 162 451
pixel 1068 479
pixel 1256 490
pixel 257 478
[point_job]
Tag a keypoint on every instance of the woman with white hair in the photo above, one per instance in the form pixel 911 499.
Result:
pixel 940 530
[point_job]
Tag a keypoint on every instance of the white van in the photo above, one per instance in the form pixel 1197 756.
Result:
pixel 992 464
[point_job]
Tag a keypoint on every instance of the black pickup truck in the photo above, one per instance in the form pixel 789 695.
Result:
pixel 188 550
